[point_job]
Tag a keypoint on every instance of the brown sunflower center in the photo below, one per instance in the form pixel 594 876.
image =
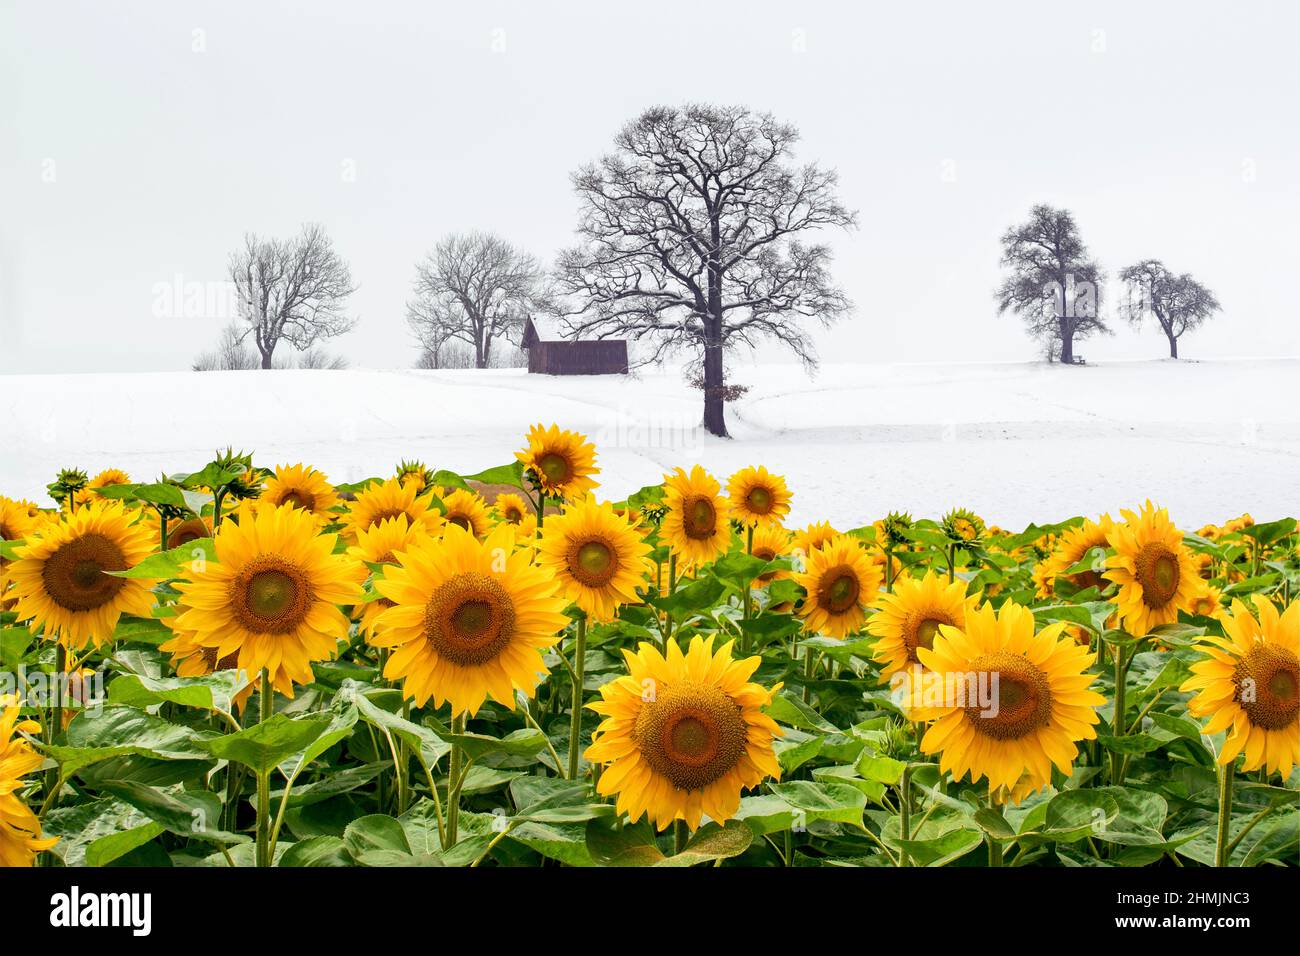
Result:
pixel 299 498
pixel 839 589
pixel 760 500
pixel 921 630
pixel 379 517
pixel 1088 579
pixel 74 575
pixel 691 734
pixel 228 663
pixel 592 561
pixel 764 553
pixel 699 517
pixel 1268 686
pixel 270 595
pixel 1023 700
pixel 188 530
pixel 460 521
pixel 556 468
pixel 1157 572
pixel 512 515
pixel 470 619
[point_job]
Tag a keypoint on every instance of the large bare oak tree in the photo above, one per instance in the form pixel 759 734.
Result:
pixel 291 290
pixel 1053 285
pixel 474 288
pixel 1176 302
pixel 692 240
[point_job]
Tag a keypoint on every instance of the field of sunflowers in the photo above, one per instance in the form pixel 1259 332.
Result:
pixel 249 666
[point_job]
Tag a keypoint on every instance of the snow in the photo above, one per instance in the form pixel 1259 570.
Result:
pixel 1015 442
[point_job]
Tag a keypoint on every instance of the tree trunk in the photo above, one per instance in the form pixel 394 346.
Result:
pixel 1173 346
pixel 715 421
pixel 1067 341
pixel 266 359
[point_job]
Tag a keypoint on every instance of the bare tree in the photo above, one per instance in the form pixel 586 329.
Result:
pixel 1054 286
pixel 476 289
pixel 231 354
pixel 455 355
pixel 1176 302
pixel 291 290
pixel 691 235
pixel 318 358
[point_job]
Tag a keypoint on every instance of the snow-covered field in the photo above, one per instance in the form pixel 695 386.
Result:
pixel 1015 442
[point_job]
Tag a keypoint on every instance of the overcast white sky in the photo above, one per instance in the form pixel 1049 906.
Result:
pixel 139 141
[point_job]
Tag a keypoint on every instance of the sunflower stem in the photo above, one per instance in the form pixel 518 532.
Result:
pixel 905 812
pixel 575 725
pixel 680 836
pixel 809 668
pixel 995 848
pixel 1222 846
pixel 1118 727
pixel 404 765
pixel 672 588
pixel 1250 825
pixel 61 657
pixel 266 705
pixel 453 785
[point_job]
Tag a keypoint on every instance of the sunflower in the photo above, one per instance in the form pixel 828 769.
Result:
pixel 468 622
pixel 910 616
pixel 813 537
pixel 1155 572
pixel 468 510
pixel 60 577
pixel 178 532
pixel 20 830
pixel 1238 524
pixel 302 487
pixel 840 581
pixel 771 541
pixel 509 508
pixel 1208 602
pixel 695 525
pixel 109 476
pixel 1072 547
pixel 189 658
pixel 561 462
pixel 758 497
pixel 683 735
pixel 961 525
pixel 598 557
pixel 414 472
pixel 270 597
pixel 1210 532
pixel 381 544
pixel 1249 685
pixel 891 531
pixel 388 499
pixel 1011 702
pixel 18 518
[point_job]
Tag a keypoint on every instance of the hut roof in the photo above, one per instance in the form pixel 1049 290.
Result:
pixel 542 328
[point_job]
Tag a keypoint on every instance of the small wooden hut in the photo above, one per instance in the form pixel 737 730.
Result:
pixel 551 352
